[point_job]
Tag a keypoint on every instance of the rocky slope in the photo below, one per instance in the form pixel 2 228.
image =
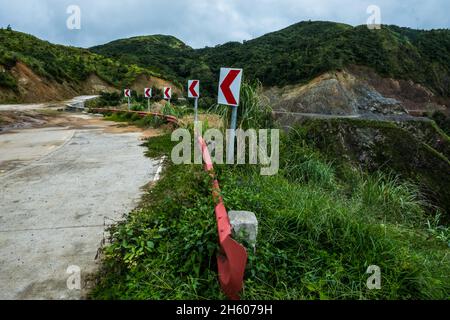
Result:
pixel 354 91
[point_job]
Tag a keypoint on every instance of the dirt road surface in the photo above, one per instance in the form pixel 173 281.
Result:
pixel 60 188
pixel 36 106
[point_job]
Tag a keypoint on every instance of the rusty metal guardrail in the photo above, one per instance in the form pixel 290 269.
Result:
pixel 232 258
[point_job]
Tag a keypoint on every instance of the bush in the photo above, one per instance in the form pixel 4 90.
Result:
pixel 442 120
pixel 138 107
pixel 7 81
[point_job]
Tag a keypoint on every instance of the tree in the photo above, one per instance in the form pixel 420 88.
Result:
pixel 9 27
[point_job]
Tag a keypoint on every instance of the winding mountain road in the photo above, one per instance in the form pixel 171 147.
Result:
pixel 60 189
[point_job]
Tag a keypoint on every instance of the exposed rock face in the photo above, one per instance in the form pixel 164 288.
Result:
pixel 370 100
pixel 95 85
pixel 353 92
pixel 413 96
pixel 34 88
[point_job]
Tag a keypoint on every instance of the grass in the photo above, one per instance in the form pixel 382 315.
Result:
pixel 321 225
pixel 415 151
pixel 253 111
pixel 159 252
pixel 317 237
pixel 135 119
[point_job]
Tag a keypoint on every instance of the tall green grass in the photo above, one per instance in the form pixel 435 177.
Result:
pixel 315 240
pixel 321 225
pixel 176 111
pixel 254 111
pixel 391 199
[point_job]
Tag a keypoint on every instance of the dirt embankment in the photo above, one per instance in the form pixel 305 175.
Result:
pixel 95 85
pixel 356 90
pixel 33 88
pixel 144 81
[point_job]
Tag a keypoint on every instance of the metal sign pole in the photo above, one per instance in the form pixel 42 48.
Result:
pixel 129 108
pixel 232 137
pixel 148 104
pixel 196 110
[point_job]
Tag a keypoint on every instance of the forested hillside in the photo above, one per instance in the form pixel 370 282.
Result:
pixel 299 53
pixel 293 55
pixel 26 57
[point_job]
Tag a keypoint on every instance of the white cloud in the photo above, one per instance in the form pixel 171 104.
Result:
pixel 204 22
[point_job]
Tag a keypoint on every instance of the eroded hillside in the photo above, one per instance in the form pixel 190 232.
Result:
pixel 32 70
pixel 355 91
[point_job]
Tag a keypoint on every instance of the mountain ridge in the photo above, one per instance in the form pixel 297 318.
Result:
pixel 303 51
pixel 293 55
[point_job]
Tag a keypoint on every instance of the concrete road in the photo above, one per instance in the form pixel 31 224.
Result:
pixel 60 188
pixel 37 106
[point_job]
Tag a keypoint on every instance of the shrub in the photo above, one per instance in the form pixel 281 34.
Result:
pixel 137 107
pixel 7 81
pixel 442 120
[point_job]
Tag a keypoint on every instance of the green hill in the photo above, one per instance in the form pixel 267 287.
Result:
pixel 299 53
pixel 158 52
pixel 61 68
pixel 293 55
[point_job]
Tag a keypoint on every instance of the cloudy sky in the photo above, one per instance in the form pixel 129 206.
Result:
pixel 202 23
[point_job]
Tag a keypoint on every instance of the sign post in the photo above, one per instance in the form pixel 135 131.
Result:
pixel 167 93
pixel 194 92
pixel 128 95
pixel 148 95
pixel 229 94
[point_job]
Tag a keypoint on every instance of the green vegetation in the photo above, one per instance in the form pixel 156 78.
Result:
pixel 131 118
pixel 289 56
pixel 105 99
pixel 176 111
pixel 253 112
pixel 442 120
pixel 415 151
pixel 316 238
pixel 299 53
pixel 321 225
pixel 7 81
pixel 60 63
pixel 158 52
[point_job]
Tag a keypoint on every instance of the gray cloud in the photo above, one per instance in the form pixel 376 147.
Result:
pixel 202 23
